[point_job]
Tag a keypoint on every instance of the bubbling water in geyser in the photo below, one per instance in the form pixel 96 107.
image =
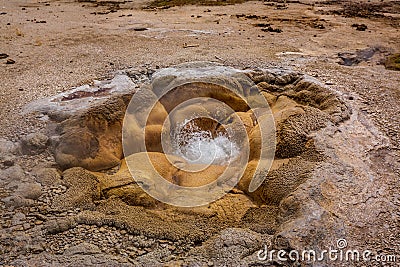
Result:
pixel 199 146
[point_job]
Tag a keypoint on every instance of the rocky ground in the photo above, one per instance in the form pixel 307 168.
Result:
pixel 49 47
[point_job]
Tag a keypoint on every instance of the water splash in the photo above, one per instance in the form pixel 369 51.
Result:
pixel 199 146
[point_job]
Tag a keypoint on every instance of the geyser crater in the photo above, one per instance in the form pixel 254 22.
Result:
pixel 86 136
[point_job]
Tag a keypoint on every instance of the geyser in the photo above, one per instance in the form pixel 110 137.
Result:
pixel 199 146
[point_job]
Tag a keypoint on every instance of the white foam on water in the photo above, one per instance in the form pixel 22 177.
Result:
pixel 200 147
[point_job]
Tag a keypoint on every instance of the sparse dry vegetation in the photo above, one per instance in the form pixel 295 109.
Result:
pixel 171 3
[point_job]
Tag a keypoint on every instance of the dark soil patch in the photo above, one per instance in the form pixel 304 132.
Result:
pixel 270 29
pixel 112 5
pixel 355 58
pixel 262 25
pixel 251 16
pixel 359 27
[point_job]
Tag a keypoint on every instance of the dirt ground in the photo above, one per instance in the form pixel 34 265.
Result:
pixel 53 46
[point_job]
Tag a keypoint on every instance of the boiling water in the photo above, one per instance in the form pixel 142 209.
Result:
pixel 199 146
